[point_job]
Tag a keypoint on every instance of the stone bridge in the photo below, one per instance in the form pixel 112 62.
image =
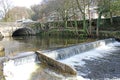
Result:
pixel 17 29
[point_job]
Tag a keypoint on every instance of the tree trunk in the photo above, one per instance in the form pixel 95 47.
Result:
pixel 76 26
pixel 90 21
pixel 84 24
pixel 111 19
pixel 83 16
pixel 110 11
pixel 66 23
pixel 98 23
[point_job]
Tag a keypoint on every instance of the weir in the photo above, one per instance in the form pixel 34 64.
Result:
pixel 59 59
pixel 20 67
pixel 53 58
pixel 67 52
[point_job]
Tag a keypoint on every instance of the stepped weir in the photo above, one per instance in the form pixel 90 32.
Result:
pixel 67 60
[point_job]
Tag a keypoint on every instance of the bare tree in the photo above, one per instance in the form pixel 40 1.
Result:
pixel 37 12
pixel 81 6
pixel 5 6
pixel 17 13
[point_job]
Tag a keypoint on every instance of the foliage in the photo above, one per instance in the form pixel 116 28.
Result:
pixel 37 12
pixel 115 7
pixel 68 10
pixel 65 33
pixel 103 7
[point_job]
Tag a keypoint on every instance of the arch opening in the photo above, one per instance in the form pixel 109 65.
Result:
pixel 23 32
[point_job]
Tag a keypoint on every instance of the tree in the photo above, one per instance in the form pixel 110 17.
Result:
pixel 81 6
pixel 63 9
pixel 36 12
pixel 5 6
pixel 112 8
pixel 102 8
pixel 90 8
pixel 60 6
pixel 1 14
pixel 17 13
pixel 115 7
pixel 40 10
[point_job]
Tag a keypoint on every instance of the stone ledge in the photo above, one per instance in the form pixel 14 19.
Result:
pixel 56 65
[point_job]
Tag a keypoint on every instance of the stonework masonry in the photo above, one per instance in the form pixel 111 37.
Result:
pixel 8 28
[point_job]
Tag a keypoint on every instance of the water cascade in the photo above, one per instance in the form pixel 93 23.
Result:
pixel 67 52
pixel 21 66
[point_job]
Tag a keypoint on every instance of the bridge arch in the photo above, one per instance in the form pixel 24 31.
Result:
pixel 23 32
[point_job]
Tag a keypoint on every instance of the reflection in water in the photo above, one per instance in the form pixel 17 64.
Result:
pixel 17 45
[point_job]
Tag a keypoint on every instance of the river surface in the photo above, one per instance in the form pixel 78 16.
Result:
pixel 23 44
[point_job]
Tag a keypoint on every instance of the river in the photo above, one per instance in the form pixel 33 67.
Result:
pixel 101 63
pixel 22 44
pixel 25 44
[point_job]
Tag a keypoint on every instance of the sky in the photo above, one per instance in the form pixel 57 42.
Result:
pixel 25 3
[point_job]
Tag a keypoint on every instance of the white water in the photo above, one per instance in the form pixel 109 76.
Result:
pixel 94 53
pixel 20 68
pixel 79 59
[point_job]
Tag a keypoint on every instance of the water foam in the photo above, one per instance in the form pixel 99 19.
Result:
pixel 20 68
pixel 79 59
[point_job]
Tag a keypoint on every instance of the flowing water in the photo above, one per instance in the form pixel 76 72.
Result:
pixel 101 63
pixel 92 61
pixel 96 60
pixel 24 65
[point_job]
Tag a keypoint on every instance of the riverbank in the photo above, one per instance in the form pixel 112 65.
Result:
pixel 72 33
pixel 107 28
pixel 114 34
pixel 66 33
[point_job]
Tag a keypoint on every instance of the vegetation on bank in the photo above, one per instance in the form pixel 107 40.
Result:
pixel 106 29
pixel 66 33
pixel 72 34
